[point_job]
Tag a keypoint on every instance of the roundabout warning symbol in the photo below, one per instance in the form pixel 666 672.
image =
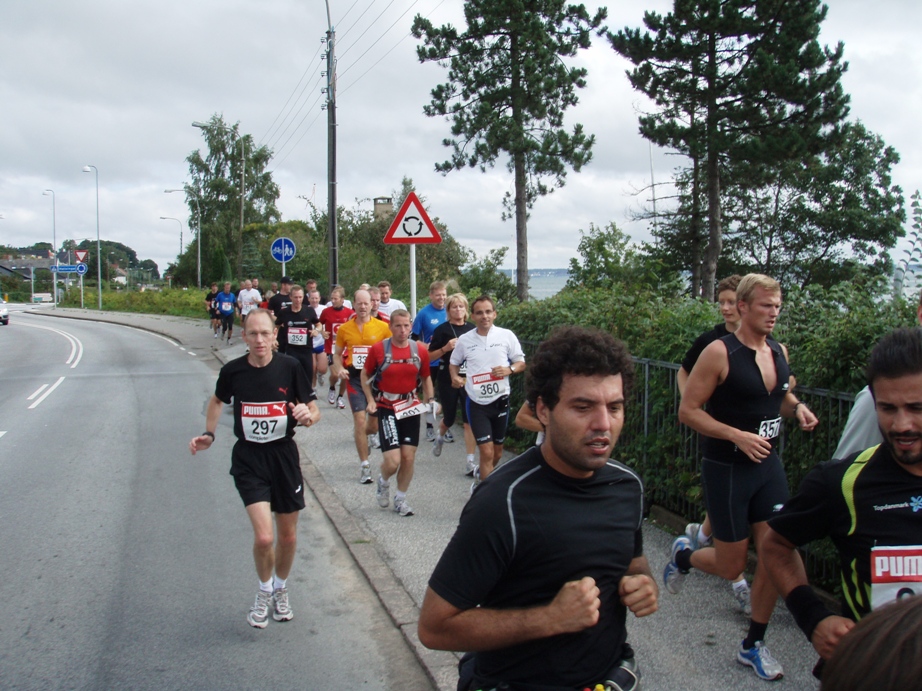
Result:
pixel 412 225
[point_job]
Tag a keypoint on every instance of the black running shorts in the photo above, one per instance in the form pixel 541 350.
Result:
pixel 269 472
pixel 394 433
pixel 738 494
pixel 489 422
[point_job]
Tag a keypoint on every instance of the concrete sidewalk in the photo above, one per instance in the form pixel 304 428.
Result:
pixel 689 644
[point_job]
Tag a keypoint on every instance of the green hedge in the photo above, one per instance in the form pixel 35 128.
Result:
pixel 175 302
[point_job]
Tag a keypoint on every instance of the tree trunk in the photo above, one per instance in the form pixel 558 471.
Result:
pixel 518 161
pixel 696 279
pixel 715 232
pixel 521 229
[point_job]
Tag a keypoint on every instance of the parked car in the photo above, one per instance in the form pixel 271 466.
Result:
pixel 4 313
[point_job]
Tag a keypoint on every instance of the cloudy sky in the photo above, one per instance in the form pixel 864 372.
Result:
pixel 117 85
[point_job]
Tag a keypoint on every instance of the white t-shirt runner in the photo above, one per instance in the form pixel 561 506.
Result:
pixel 386 308
pixel 248 299
pixel 478 355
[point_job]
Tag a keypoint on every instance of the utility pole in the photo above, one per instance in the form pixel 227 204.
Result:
pixel 331 150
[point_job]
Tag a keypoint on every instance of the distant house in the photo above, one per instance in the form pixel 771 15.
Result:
pixel 15 270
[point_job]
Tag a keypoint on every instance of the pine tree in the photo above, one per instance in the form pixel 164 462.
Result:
pixel 736 82
pixel 507 91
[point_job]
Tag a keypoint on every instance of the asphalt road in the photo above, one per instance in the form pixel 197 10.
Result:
pixel 126 563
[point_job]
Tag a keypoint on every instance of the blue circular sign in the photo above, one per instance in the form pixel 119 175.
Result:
pixel 283 249
pixel 81 269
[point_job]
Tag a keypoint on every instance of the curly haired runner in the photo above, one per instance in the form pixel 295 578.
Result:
pixel 548 555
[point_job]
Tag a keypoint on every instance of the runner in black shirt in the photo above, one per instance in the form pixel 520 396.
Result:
pixel 700 533
pixel 869 503
pixel 548 555
pixel 295 331
pixel 452 399
pixel 271 396
pixel 281 300
pixel 212 309
pixel 745 381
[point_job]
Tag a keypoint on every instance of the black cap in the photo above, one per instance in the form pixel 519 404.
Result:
pixel 286 279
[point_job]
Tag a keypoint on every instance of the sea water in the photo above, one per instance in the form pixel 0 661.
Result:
pixel 543 283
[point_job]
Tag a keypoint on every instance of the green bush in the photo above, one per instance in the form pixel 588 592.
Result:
pixel 175 302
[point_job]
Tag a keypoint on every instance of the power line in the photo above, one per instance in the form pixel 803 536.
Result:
pixel 367 29
pixel 306 130
pixel 290 118
pixel 388 52
pixel 378 40
pixel 343 18
pixel 306 70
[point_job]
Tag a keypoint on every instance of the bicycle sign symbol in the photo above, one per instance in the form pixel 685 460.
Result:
pixel 283 250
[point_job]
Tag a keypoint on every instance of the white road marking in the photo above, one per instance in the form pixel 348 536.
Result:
pixel 40 389
pixel 76 345
pixel 2 432
pixel 47 393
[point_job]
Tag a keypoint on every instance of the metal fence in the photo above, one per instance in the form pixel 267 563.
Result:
pixel 667 456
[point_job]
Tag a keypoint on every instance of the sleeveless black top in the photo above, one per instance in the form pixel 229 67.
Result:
pixel 742 401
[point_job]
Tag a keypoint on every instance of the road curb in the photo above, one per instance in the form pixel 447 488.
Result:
pixel 440 666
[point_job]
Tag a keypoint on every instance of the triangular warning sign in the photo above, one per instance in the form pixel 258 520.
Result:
pixel 412 225
pixel 81 255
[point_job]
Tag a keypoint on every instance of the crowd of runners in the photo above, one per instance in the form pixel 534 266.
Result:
pixel 548 557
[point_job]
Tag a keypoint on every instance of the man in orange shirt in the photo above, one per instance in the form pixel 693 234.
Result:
pixel 353 343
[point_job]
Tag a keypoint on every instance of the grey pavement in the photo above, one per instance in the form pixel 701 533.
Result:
pixel 690 643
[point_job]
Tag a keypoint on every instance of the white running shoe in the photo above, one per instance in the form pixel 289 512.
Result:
pixel 763 664
pixel 382 493
pixel 672 575
pixel 471 467
pixel 281 611
pixel 401 507
pixel 365 478
pixel 340 403
pixel 692 531
pixel 743 598
pixel 258 616
pixel 331 397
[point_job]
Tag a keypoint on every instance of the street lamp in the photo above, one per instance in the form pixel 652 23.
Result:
pixel 54 248
pixel 243 161
pixel 198 234
pixel 87 169
pixel 170 218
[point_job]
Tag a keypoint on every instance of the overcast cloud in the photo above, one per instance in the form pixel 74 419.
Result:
pixel 117 85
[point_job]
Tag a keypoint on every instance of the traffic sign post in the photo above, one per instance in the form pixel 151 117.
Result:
pixel 283 250
pixel 412 226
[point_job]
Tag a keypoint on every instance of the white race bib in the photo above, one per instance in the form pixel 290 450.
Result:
pixel 488 388
pixel 409 408
pixel 264 422
pixel 896 572
pixel 227 306
pixel 769 429
pixel 359 355
pixel 297 335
